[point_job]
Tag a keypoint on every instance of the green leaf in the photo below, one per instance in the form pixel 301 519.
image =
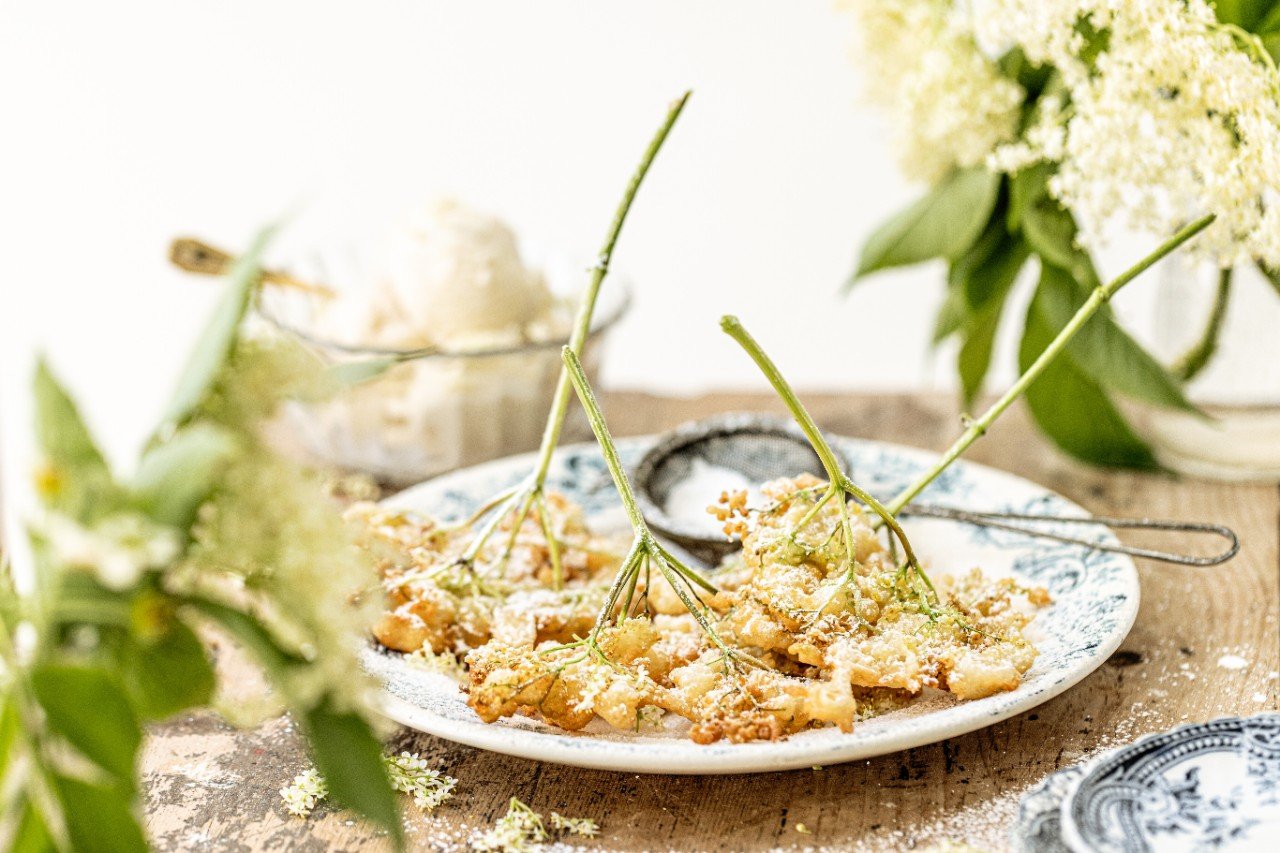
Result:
pixel 1103 350
pixel 964 268
pixel 987 287
pixel 1031 77
pixel 31 835
pixel 1246 14
pixel 177 475
pixel 952 314
pixel 77 481
pixel 349 758
pixel 1025 188
pixel 8 729
pixel 1270 23
pixel 88 707
pixel 218 338
pixel 79 599
pixel 168 675
pixel 1271 43
pixel 943 224
pixel 991 281
pixel 251 634
pixel 100 818
pixel 974 359
pixel 956 309
pixel 1072 409
pixel 1051 232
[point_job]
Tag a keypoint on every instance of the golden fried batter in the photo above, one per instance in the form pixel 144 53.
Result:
pixel 810 630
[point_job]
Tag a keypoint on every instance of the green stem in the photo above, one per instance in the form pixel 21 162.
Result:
pixel 577 376
pixel 734 328
pixel 645 546
pixel 1197 357
pixel 587 307
pixel 1100 296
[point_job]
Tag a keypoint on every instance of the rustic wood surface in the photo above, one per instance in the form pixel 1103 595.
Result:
pixel 213 787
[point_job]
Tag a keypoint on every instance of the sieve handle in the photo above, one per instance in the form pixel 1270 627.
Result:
pixel 1010 521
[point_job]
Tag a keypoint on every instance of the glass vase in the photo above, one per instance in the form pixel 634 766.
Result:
pixel 1224 330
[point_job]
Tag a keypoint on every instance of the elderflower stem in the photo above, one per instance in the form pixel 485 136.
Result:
pixel 1100 296
pixel 578 377
pixel 582 322
pixel 645 547
pixel 524 496
pixel 1197 357
pixel 838 479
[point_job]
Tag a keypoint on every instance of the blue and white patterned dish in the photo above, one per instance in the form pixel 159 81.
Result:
pixel 1206 786
pixel 1038 828
pixel 1095 601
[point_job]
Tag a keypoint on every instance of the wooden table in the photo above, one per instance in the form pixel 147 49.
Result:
pixel 213 787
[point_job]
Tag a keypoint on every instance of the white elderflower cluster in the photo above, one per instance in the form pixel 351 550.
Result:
pixel 441 663
pixel 949 105
pixel 583 826
pixel 1044 139
pixel 520 830
pixel 1160 113
pixel 117 549
pixel 1178 120
pixel 1048 31
pixel 306 791
pixel 408 772
pixel 411 775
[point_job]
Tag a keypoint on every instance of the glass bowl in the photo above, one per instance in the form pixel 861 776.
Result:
pixel 435 410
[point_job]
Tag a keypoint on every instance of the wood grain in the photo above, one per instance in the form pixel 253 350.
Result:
pixel 212 787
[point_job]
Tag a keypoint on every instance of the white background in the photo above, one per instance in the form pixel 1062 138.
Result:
pixel 127 123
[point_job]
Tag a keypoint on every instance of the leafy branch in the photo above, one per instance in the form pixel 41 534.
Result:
pixel 986 226
pixel 212 531
pixel 1097 299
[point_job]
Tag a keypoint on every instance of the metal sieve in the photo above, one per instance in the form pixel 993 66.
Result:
pixel 758 447
pixel 762 448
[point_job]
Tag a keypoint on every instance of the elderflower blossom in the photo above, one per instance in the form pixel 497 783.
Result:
pixel 408 772
pixel 1045 139
pixel 442 663
pixel 1048 31
pixel 520 830
pixel 950 106
pixel 595 684
pixel 306 791
pixel 1178 116
pixel 584 826
pixel 116 549
pixel 270 539
pixel 410 775
pixel 1176 121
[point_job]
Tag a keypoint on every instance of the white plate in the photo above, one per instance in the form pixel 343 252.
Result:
pixel 1095 600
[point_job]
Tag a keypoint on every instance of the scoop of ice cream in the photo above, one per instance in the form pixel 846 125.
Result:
pixel 456 274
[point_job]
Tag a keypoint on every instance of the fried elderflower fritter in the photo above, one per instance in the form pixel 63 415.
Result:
pixel 812 643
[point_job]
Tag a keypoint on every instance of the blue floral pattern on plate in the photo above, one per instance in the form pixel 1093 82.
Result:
pixel 1206 786
pixel 1095 602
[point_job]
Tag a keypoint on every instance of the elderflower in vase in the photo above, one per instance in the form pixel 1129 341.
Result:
pixel 1044 127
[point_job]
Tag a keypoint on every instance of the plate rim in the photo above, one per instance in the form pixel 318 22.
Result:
pixel 566 748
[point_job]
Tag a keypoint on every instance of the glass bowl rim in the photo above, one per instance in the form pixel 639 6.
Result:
pixel 599 325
